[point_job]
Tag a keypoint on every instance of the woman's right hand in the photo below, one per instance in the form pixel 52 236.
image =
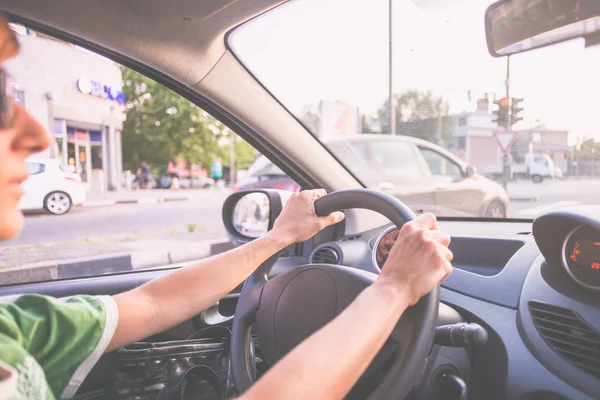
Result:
pixel 419 260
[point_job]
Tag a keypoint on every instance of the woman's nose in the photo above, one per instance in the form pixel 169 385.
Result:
pixel 31 136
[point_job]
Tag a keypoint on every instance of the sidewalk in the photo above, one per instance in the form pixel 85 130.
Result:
pixel 148 196
pixel 109 254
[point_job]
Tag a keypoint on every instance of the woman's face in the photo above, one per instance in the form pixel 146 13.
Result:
pixel 20 136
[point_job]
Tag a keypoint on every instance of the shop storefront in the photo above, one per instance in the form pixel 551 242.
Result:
pixel 77 95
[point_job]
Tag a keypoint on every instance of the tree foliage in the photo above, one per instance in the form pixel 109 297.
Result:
pixel 161 124
pixel 418 114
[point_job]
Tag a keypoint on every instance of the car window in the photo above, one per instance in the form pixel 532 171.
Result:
pixel 263 167
pixel 347 77
pixel 118 131
pixel 440 165
pixel 395 160
pixel 355 156
pixel 35 168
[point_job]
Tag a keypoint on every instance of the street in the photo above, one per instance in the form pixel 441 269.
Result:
pixel 551 195
pixel 81 223
pixel 97 231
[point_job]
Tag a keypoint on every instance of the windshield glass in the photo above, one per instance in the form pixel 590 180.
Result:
pixel 440 148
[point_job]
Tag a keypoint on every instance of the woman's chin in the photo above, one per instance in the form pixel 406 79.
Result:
pixel 11 223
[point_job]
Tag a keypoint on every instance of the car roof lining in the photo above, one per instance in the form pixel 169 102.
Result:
pixel 183 39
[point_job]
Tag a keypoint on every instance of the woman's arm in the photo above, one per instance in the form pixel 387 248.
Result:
pixel 174 298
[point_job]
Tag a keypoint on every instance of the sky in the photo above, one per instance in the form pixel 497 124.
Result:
pixel 337 50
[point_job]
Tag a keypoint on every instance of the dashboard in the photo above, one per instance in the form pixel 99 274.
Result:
pixel 534 287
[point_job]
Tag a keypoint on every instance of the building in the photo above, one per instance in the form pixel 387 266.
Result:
pixel 473 136
pixel 77 96
pixel 473 140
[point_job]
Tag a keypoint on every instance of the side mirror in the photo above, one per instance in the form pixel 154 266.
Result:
pixel 250 214
pixel 470 171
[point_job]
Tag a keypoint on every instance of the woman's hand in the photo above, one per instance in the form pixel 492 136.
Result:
pixel 298 221
pixel 419 260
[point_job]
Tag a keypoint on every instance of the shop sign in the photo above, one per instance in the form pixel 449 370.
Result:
pixel 97 89
pixel 79 135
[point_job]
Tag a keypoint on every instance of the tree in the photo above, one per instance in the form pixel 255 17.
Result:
pixel 589 146
pixel 310 118
pixel 418 114
pixel 161 124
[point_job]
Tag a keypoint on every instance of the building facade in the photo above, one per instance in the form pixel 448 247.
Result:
pixel 77 96
pixel 473 140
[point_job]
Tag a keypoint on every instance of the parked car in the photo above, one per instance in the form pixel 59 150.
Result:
pixel 264 174
pixel 423 175
pixel 51 186
pixel 197 182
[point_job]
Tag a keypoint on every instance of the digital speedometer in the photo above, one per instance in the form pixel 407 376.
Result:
pixel 581 256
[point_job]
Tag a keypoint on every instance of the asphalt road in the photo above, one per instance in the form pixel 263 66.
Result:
pixel 82 223
pixel 552 195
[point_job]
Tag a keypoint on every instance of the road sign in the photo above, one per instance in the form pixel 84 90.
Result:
pixel 505 139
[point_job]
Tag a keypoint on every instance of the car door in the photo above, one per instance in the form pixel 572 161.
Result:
pixel 402 174
pixel 33 187
pixel 455 194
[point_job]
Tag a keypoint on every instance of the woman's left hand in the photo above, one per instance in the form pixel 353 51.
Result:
pixel 298 221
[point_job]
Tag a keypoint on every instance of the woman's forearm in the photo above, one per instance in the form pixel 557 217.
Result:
pixel 169 300
pixel 330 362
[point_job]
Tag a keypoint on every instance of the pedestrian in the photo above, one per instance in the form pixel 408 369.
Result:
pixel 217 172
pixel 173 172
pixel 48 346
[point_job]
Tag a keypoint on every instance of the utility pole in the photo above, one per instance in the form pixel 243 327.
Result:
pixel 593 165
pixel 391 91
pixel 577 150
pixel 231 157
pixel 505 163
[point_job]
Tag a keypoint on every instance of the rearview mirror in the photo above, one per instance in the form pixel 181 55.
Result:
pixel 470 171
pixel 514 26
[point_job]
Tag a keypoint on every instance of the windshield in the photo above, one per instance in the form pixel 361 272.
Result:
pixel 444 146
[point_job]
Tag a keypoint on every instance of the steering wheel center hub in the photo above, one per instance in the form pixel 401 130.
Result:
pixel 294 305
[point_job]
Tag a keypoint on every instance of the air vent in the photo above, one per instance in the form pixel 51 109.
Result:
pixel 524 233
pixel 325 255
pixel 568 335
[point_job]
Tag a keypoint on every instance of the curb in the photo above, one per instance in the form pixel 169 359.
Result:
pixel 108 203
pixel 112 263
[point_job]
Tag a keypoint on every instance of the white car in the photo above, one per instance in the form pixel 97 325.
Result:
pixel 51 187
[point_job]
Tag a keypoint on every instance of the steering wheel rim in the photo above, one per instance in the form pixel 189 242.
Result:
pixel 407 369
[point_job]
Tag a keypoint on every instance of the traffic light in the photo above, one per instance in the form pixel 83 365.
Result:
pixel 515 109
pixel 501 116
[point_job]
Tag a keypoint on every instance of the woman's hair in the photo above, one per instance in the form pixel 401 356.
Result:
pixel 9 45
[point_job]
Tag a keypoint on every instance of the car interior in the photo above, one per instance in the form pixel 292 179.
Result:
pixel 519 317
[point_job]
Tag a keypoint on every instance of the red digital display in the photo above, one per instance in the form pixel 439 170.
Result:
pixel 582 256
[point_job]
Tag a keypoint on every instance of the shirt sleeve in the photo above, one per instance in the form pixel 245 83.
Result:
pixel 66 336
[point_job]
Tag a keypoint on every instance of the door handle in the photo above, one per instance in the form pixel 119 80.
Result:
pixel 212 316
pixel 385 185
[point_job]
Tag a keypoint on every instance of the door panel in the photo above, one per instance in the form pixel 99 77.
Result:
pixel 401 174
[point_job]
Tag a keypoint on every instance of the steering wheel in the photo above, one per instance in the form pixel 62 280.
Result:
pixel 295 304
